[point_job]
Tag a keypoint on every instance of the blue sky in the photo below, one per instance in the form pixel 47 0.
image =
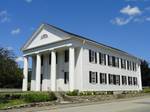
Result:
pixel 124 24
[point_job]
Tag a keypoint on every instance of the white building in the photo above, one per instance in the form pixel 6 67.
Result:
pixel 63 61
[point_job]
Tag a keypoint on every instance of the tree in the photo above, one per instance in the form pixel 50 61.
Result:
pixel 10 74
pixel 145 72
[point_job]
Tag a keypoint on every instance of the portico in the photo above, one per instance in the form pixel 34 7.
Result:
pixel 49 58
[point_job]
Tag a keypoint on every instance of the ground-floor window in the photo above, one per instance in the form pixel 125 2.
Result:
pixel 66 77
pixel 114 79
pixel 135 80
pixel 103 78
pixel 124 80
pixel 129 80
pixel 92 77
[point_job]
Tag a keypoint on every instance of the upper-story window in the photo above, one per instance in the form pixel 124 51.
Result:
pixel 113 61
pixel 93 77
pixel 123 63
pixel 134 66
pixel 102 59
pixel 92 56
pixel 66 55
pixel 103 78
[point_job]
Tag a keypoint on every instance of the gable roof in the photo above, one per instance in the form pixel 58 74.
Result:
pixel 73 35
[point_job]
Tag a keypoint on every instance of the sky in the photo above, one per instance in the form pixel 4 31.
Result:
pixel 123 24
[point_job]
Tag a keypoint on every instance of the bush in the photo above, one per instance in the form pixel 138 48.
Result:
pixel 28 96
pixel 73 93
pixel 39 97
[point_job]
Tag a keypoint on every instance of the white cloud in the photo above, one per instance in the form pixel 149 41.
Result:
pixel 121 21
pixel 15 31
pixel 147 18
pixel 4 16
pixel 28 1
pixel 131 11
pixel 19 59
pixel 9 48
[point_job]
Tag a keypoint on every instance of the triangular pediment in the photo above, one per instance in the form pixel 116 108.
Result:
pixel 45 35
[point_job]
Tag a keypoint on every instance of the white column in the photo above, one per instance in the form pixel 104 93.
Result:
pixel 38 72
pixel 106 60
pixel 71 68
pixel 25 74
pixel 53 70
pixel 33 73
pixel 139 77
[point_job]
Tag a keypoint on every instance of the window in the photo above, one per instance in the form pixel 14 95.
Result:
pixel 103 78
pixel 92 56
pixel 110 79
pixel 134 66
pixel 66 55
pixel 134 80
pixel 130 65
pixel 42 60
pixel 129 80
pixel 114 79
pixel 92 77
pixel 113 61
pixel 50 58
pixel 116 62
pixel 110 63
pixel 102 59
pixel 66 77
pixel 117 79
pixel 124 80
pixel 123 63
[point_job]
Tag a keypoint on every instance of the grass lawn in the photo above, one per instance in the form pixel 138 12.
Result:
pixel 9 103
pixel 14 99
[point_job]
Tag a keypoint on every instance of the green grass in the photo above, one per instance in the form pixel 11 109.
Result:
pixel 13 99
pixel 146 90
pixel 9 103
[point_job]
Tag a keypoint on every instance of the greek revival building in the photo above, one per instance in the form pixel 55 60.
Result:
pixel 63 61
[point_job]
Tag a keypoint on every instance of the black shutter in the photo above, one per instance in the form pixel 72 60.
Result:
pixel 90 55
pixel 109 79
pixel 105 79
pixel 105 59
pixel 42 60
pixel 108 60
pixel 96 77
pixel 100 77
pixel 90 77
pixel 50 58
pixel 66 55
pixel 56 57
pixel 95 57
pixel 100 59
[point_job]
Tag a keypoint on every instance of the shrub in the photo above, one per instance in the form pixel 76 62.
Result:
pixel 39 97
pixel 73 93
pixel 110 92
pixel 28 96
